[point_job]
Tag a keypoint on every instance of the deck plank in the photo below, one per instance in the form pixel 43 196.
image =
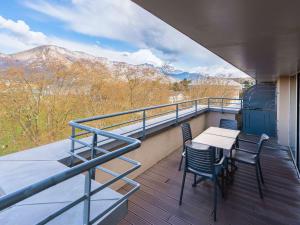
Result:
pixel 157 200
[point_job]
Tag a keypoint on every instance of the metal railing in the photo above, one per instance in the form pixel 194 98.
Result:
pixel 88 166
pixel 142 119
pixel 225 103
pixel 89 138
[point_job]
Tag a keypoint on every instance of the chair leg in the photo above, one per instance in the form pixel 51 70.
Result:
pixel 237 144
pixel 180 164
pixel 223 184
pixel 195 181
pixel 215 200
pixel 182 187
pixel 221 153
pixel 258 181
pixel 227 169
pixel 260 172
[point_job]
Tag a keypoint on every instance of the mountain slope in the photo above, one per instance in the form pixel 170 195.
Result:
pixel 43 57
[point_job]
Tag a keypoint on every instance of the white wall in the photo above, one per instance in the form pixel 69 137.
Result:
pixel 283 108
pixel 286 110
pixel 293 113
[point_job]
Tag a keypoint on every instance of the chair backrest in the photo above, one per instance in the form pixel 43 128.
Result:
pixel 186 132
pixel 200 159
pixel 262 140
pixel 228 124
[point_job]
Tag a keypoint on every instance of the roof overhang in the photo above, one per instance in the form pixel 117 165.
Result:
pixel 262 38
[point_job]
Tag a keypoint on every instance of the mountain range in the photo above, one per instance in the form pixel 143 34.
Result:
pixel 40 58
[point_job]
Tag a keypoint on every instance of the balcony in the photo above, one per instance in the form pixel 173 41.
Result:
pixel 89 178
pixel 122 168
pixel 157 200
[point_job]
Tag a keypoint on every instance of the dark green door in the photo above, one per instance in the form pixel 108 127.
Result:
pixel 259 110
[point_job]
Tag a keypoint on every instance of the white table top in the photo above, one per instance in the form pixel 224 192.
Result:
pixel 217 137
pixel 222 132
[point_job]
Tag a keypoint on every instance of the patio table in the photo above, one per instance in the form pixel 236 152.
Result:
pixel 221 138
pixel 218 137
pixel 222 132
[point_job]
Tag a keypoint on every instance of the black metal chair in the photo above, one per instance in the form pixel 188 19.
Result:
pixel 252 158
pixel 186 136
pixel 228 124
pixel 200 161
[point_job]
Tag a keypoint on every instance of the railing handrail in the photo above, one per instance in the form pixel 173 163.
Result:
pixel 237 99
pixel 134 111
pixel 30 190
pixel 146 109
pixel 26 192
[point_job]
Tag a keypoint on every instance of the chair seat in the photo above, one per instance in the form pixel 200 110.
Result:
pixel 199 146
pixel 243 156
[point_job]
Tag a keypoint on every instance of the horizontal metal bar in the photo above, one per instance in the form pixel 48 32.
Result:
pixel 133 162
pixel 161 114
pixel 125 197
pixel 82 134
pixel 184 108
pixel 103 132
pixel 161 121
pixel 119 124
pixel 62 210
pixel 117 176
pixel 26 192
pixel 101 150
pixel 130 111
pixel 238 99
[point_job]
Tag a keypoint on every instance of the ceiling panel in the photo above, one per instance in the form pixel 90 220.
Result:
pixel 262 38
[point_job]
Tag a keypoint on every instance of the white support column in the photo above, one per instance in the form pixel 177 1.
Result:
pixel 283 107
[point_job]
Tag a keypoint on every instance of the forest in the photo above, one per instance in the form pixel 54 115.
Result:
pixel 36 106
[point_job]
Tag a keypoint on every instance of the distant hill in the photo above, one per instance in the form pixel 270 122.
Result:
pixel 42 58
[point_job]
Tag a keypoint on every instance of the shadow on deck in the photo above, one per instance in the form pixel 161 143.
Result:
pixel 157 200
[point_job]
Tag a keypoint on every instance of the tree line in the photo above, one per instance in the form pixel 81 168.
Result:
pixel 36 106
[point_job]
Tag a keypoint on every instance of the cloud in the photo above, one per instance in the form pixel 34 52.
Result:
pixel 157 42
pixel 138 57
pixel 124 20
pixel 17 36
pixel 225 70
pixel 22 32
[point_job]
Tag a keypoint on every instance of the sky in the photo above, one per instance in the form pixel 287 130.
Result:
pixel 119 30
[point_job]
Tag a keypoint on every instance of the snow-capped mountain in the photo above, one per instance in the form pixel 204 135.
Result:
pixel 43 55
pixel 43 58
pixel 180 74
pixel 40 58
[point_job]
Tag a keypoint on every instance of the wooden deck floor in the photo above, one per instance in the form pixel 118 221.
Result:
pixel 157 200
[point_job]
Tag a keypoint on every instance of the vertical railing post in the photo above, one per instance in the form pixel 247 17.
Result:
pixel 72 146
pixel 208 103
pixel 93 154
pixel 222 106
pixel 177 113
pixel 87 201
pixel 144 124
pixel 196 106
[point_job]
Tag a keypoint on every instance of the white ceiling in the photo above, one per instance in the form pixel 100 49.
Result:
pixel 260 37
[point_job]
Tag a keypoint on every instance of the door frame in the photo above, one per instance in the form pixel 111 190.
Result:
pixel 298 123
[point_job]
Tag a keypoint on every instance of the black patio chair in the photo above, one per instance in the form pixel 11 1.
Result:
pixel 186 136
pixel 228 124
pixel 200 161
pixel 252 158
